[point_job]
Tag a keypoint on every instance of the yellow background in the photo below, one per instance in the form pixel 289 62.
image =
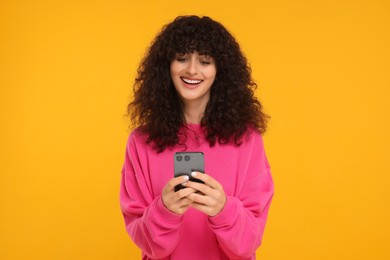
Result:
pixel 66 71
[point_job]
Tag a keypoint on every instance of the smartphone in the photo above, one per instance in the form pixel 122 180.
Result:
pixel 187 162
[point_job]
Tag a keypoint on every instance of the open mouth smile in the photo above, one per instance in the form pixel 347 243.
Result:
pixel 191 81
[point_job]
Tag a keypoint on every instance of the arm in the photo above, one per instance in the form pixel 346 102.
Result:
pixel 240 225
pixel 152 227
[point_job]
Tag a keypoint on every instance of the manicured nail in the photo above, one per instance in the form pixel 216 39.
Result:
pixel 193 174
pixel 186 178
pixel 184 183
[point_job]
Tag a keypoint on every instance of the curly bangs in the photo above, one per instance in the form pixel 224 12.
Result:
pixel 192 33
pixel 156 108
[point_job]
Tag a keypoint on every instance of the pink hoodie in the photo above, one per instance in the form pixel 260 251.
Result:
pixel 235 233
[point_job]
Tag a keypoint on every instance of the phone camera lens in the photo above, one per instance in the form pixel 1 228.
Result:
pixel 179 158
pixel 187 157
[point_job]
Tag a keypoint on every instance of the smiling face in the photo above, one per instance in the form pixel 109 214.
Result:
pixel 193 75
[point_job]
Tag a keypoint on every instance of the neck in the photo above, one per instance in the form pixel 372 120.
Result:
pixel 194 111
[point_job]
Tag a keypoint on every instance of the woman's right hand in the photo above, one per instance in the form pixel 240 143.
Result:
pixel 177 202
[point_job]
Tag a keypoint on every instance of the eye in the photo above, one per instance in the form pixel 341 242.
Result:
pixel 205 60
pixel 181 57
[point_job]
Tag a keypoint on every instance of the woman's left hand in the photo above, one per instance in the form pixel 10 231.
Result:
pixel 212 198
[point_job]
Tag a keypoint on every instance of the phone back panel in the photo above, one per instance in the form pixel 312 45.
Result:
pixel 187 162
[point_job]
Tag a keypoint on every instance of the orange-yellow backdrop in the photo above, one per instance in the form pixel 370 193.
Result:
pixel 66 71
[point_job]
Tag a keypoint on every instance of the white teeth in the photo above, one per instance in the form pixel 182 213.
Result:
pixel 191 81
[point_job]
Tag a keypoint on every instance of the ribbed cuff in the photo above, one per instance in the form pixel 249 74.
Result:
pixel 226 214
pixel 166 215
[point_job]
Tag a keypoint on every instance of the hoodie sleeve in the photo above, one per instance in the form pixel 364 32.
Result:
pixel 152 227
pixel 239 227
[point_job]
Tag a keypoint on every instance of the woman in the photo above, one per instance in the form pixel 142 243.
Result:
pixel 194 92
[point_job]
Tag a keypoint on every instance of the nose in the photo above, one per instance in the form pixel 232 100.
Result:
pixel 192 68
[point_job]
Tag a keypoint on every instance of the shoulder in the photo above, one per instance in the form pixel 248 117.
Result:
pixel 252 142
pixel 137 138
pixel 138 133
pixel 252 136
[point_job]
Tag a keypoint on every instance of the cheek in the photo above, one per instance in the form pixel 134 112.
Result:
pixel 177 65
pixel 211 74
pixel 174 77
pixel 173 69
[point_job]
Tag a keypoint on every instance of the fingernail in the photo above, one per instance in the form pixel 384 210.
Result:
pixel 193 174
pixel 184 183
pixel 186 178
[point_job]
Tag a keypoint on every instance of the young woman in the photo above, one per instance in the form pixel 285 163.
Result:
pixel 194 92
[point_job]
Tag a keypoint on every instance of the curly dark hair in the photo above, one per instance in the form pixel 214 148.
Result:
pixel 156 108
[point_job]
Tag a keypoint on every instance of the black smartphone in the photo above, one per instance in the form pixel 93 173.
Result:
pixel 187 162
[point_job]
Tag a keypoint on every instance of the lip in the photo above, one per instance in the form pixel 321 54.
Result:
pixel 191 83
